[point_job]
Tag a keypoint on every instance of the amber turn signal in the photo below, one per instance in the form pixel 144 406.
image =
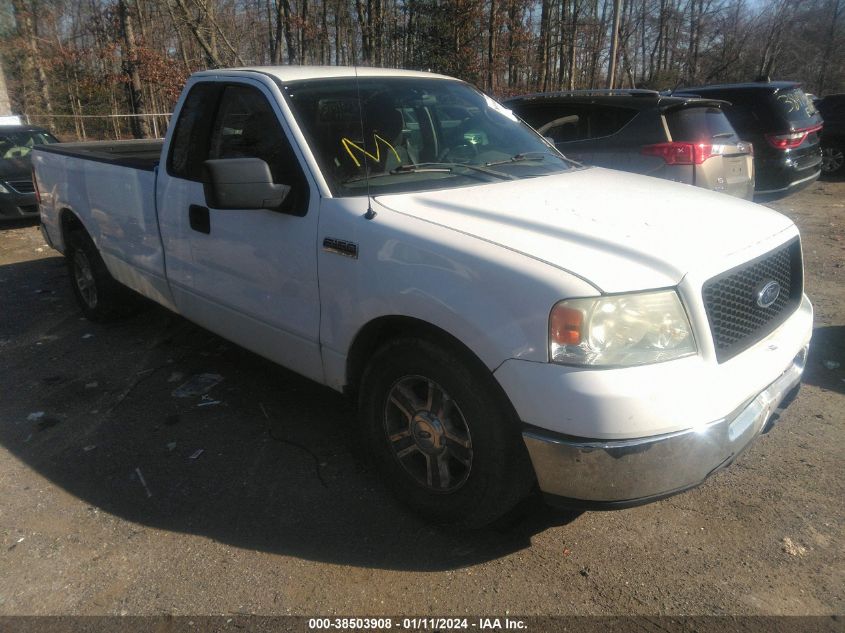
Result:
pixel 565 325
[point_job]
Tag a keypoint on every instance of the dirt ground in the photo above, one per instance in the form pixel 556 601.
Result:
pixel 110 508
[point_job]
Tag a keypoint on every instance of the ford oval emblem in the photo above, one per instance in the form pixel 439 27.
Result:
pixel 768 293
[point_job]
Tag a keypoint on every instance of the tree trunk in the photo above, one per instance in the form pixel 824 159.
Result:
pixel 179 38
pixel 5 104
pixel 210 53
pixel 828 48
pixel 134 87
pixel 491 49
pixel 614 44
pixel 573 36
pixel 543 46
pixel 364 25
pixel 28 31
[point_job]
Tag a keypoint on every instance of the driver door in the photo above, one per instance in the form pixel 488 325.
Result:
pixel 249 275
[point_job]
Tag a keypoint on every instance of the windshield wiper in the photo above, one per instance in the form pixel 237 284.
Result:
pixel 517 158
pixel 723 135
pixel 401 169
pixel 415 169
pixel 450 166
pixel 442 168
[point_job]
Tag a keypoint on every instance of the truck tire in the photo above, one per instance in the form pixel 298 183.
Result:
pixel 100 297
pixel 442 434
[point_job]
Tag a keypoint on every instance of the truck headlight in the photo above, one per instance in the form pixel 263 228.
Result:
pixel 620 330
pixel 3 189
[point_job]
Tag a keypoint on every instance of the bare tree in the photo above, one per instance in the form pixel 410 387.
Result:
pixel 139 126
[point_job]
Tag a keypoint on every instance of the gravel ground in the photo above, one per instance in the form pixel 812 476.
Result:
pixel 111 508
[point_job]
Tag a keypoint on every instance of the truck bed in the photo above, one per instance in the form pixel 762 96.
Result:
pixel 138 154
pixel 110 187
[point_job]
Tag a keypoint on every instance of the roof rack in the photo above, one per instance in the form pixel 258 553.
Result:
pixel 599 92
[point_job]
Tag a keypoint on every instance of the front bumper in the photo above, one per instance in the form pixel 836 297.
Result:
pixel 18 205
pixel 627 472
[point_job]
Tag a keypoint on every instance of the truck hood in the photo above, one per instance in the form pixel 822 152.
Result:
pixel 619 231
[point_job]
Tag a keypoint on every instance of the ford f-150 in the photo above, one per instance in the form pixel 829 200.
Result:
pixel 504 318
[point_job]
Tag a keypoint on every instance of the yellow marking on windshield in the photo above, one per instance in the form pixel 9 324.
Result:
pixel 347 144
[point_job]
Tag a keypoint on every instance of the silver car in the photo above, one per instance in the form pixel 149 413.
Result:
pixel 688 140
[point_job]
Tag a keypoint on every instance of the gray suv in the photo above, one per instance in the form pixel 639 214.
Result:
pixel 688 140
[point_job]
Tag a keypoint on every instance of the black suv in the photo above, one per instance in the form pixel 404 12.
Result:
pixel 782 122
pixel 686 139
pixel 832 108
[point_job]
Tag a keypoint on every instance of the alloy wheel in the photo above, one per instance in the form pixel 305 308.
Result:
pixel 85 282
pixel 832 159
pixel 428 434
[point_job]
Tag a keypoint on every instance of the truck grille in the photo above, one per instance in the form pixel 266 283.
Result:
pixel 22 186
pixel 737 320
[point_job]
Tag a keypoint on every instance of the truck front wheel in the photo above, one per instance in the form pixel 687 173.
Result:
pixel 441 434
pixel 100 297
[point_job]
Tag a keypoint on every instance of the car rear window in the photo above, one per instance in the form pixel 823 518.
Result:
pixel 795 106
pixel 700 124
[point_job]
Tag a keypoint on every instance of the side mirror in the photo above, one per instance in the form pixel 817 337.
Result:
pixel 241 183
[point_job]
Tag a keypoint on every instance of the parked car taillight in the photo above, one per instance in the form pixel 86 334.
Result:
pixel 677 153
pixel 791 140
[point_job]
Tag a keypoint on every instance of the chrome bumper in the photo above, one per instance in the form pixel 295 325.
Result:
pixel 632 471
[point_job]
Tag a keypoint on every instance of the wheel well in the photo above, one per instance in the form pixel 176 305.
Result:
pixel 69 223
pixel 383 329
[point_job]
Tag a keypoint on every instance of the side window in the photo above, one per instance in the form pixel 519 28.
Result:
pixel 189 144
pixel 568 126
pixel 742 117
pixel 247 127
pixel 608 120
pixel 568 123
pixel 563 122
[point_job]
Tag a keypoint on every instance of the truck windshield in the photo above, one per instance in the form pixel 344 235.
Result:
pixel 19 143
pixel 397 134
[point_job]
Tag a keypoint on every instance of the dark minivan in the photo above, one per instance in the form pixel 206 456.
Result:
pixel 685 139
pixel 782 123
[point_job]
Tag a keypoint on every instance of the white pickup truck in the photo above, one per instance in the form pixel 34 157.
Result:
pixel 505 319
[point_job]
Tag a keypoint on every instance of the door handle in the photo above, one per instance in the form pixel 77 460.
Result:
pixel 199 218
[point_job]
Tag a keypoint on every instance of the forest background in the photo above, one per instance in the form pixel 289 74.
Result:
pixel 80 66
